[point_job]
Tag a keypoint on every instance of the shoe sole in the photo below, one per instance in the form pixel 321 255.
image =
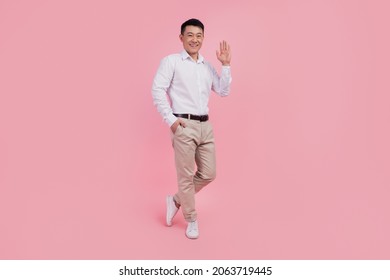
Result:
pixel 196 237
pixel 166 216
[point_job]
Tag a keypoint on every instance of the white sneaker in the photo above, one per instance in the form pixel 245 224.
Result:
pixel 171 209
pixel 192 231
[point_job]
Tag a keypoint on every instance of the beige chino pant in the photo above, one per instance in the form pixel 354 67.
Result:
pixel 193 144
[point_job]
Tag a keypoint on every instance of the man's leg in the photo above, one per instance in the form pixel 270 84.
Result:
pixel 205 158
pixel 184 144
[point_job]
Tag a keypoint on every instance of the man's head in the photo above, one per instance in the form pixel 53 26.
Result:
pixel 192 33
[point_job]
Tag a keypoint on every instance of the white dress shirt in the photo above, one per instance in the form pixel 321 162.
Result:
pixel 188 84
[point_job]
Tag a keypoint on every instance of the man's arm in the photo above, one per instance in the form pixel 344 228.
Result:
pixel 161 83
pixel 221 85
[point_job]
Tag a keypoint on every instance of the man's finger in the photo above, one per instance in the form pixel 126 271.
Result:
pixel 183 124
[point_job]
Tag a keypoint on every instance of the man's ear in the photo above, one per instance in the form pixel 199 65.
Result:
pixel 181 37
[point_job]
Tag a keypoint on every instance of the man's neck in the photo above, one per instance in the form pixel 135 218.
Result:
pixel 194 56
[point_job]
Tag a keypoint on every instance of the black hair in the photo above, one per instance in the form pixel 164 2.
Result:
pixel 193 22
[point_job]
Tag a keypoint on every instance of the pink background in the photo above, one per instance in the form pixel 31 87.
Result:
pixel 302 142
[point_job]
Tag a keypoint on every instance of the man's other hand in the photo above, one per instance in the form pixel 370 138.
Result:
pixel 176 124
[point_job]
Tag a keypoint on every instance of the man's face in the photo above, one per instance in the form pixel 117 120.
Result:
pixel 192 39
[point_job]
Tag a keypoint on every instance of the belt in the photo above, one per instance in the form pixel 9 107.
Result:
pixel 203 118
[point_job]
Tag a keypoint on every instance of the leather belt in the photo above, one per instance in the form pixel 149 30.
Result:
pixel 203 118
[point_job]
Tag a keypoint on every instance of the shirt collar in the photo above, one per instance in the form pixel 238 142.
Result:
pixel 185 55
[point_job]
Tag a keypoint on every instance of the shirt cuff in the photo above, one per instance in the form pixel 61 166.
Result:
pixel 171 119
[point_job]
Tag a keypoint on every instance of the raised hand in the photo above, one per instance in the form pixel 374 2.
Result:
pixel 224 54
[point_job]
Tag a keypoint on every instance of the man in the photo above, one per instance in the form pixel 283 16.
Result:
pixel 188 80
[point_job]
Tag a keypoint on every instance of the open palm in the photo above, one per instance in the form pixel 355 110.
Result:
pixel 224 54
